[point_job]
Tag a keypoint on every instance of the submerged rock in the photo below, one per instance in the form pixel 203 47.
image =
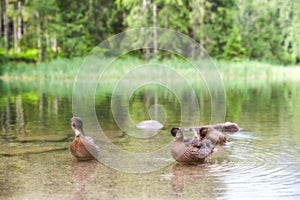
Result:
pixel 149 125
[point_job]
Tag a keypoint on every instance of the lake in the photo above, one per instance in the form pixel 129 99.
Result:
pixel 260 162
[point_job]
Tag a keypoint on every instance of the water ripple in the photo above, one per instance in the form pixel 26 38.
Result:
pixel 249 163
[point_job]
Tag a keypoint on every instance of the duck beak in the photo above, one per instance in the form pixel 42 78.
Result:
pixel 77 132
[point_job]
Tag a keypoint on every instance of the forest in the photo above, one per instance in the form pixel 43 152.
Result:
pixel 235 30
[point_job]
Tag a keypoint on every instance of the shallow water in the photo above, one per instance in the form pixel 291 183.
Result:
pixel 260 162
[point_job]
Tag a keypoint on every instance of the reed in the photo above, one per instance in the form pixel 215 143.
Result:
pixel 232 73
pixel 60 69
pixel 250 74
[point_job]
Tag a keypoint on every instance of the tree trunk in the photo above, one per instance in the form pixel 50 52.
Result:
pixel 155 30
pixel 201 22
pixel 166 53
pixel 54 44
pixel 194 38
pixel 194 22
pixel 46 35
pixel 15 28
pixel 1 11
pixel 19 24
pixel 39 37
pixel 147 50
pixel 6 27
pixel 198 11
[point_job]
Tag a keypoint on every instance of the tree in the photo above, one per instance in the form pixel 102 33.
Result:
pixel 265 29
pixel 6 27
pixel 289 17
pixel 233 49
pixel 219 25
pixel 260 30
pixel 198 12
pixel 138 15
pixel 155 45
pixel 19 22
pixel 83 25
pixel 1 11
pixel 172 14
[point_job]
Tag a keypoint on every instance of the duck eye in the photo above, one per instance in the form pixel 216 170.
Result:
pixel 73 124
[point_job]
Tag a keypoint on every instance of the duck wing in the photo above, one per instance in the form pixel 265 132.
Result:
pixel 90 145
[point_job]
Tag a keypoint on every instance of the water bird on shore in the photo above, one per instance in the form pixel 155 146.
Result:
pixel 83 147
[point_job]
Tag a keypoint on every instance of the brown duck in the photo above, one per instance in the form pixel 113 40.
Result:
pixel 83 147
pixel 226 127
pixel 189 151
pixel 216 137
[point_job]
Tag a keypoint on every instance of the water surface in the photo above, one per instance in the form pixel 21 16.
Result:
pixel 262 161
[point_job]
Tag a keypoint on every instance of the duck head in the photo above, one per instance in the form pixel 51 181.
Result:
pixel 77 126
pixel 202 132
pixel 177 133
pixel 230 127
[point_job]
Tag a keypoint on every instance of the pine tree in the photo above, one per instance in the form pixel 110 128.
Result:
pixel 233 49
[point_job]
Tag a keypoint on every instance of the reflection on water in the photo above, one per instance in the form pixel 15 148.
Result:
pixel 83 174
pixel 196 181
pixel 261 161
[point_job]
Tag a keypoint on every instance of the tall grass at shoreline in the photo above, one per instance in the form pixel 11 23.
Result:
pixel 254 74
pixel 60 69
pixel 239 73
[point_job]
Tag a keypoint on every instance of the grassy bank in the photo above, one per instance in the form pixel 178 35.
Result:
pixel 61 69
pixel 245 72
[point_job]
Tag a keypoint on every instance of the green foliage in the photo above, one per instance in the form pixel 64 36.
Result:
pixel 28 55
pixel 173 15
pixel 260 30
pixel 233 49
pixel 231 29
pixel 220 27
pixel 84 25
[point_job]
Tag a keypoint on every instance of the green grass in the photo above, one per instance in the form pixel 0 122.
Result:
pixel 61 69
pixel 252 74
pixel 239 73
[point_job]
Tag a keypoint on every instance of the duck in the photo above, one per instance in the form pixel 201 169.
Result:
pixel 82 147
pixel 228 127
pixel 215 136
pixel 191 150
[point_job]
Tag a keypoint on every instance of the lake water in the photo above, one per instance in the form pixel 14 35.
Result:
pixel 260 162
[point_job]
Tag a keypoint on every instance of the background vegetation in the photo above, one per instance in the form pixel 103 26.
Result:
pixel 39 30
